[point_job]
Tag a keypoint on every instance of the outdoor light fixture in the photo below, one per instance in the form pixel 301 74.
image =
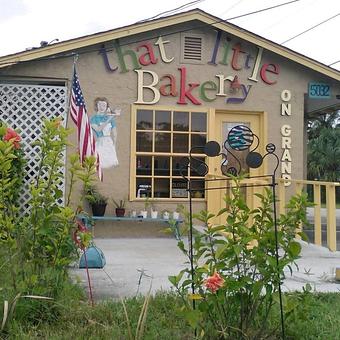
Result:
pixel 45 43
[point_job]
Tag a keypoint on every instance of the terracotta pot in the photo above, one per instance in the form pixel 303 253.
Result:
pixel 120 212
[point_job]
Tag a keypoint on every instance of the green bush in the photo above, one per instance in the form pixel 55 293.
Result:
pixel 236 273
pixel 36 247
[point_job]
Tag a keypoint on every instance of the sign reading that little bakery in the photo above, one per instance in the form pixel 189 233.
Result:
pixel 178 84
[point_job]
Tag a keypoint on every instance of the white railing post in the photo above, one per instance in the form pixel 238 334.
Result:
pixel 317 214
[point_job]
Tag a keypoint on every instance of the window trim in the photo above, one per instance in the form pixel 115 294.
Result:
pixel 134 153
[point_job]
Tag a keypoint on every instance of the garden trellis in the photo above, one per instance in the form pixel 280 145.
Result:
pixel 239 138
pixel 24 107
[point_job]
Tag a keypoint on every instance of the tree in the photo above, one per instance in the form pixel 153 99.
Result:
pixel 323 155
pixel 328 121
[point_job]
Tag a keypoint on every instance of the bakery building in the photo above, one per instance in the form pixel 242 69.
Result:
pixel 155 89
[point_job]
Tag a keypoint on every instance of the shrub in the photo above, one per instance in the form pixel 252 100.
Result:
pixel 36 247
pixel 236 273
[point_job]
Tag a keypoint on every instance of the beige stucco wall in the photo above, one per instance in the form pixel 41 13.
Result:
pixel 121 91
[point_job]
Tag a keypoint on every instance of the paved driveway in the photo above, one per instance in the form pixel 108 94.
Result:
pixel 133 263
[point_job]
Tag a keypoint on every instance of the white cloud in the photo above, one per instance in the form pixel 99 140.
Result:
pixel 11 9
pixel 24 23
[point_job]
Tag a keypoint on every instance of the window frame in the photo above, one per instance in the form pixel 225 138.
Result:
pixel 134 153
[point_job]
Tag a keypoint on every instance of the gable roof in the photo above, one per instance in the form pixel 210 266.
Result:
pixel 146 26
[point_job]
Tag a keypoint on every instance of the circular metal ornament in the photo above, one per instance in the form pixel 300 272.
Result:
pixel 254 160
pixel 212 149
pixel 240 138
pixel 270 148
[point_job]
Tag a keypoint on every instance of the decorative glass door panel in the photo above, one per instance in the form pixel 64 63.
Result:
pixel 226 121
pixel 236 159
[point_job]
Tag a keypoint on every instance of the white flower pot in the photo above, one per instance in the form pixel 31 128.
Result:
pixel 175 215
pixel 154 214
pixel 144 213
pixel 166 215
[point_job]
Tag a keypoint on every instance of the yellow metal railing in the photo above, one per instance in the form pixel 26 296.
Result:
pixel 330 198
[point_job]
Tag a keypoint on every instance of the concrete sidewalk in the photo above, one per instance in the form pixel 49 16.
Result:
pixel 133 263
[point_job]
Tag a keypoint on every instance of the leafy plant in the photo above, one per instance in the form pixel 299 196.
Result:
pixel 236 273
pixel 36 246
pixel 93 196
pixel 147 203
pixel 11 141
pixel 47 228
pixel 119 204
pixel 9 308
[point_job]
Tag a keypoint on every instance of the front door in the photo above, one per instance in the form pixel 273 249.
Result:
pixel 225 121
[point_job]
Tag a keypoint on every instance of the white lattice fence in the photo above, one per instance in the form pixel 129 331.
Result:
pixel 24 107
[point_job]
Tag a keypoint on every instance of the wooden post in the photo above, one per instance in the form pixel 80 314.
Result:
pixel 298 187
pixel 298 190
pixel 331 217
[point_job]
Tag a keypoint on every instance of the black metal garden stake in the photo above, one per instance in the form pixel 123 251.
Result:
pixel 240 138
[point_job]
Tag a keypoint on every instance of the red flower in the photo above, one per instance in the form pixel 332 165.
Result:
pixel 12 136
pixel 214 282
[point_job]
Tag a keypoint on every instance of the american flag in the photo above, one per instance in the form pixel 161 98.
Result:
pixel 86 141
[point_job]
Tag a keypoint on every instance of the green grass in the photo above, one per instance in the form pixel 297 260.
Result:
pixel 107 321
pixel 71 317
pixel 320 319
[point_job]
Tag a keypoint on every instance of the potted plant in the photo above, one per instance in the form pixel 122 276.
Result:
pixel 165 214
pixel 154 212
pixel 176 213
pixel 144 212
pixel 96 200
pixel 120 207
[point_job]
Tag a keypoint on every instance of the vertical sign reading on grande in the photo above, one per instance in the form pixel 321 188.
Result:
pixel 286 139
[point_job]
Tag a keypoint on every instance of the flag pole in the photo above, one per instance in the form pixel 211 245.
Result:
pixel 78 113
pixel 75 59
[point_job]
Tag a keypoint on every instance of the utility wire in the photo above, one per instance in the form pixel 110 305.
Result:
pixel 309 29
pixel 263 10
pixel 335 62
pixel 171 11
pixel 285 16
pixel 72 54
pixel 231 7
